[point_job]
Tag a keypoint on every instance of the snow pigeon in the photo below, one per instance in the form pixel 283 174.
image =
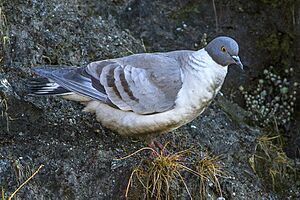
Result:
pixel 147 93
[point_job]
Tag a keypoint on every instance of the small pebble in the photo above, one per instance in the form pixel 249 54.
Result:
pixel 193 126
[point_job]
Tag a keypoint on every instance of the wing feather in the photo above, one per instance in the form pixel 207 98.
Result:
pixel 142 83
pixel 73 79
pixel 123 88
pixel 108 81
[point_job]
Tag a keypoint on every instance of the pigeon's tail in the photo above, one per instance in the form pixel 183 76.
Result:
pixel 45 86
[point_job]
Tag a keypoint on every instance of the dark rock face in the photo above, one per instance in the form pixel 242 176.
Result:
pixel 76 150
pixel 185 23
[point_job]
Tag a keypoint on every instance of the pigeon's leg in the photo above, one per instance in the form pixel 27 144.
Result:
pixel 161 149
pixel 157 146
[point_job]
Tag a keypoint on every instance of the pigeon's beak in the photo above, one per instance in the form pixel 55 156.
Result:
pixel 238 61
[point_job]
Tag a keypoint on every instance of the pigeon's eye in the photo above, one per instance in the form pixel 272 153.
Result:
pixel 223 49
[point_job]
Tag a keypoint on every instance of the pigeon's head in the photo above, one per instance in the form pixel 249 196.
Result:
pixel 224 51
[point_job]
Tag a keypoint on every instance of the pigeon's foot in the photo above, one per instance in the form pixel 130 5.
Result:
pixel 158 148
pixel 161 150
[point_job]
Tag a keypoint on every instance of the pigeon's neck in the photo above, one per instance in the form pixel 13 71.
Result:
pixel 206 68
pixel 202 79
pixel 201 59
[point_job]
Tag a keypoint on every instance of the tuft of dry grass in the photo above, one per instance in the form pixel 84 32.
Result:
pixel 2 194
pixel 161 175
pixel 4 85
pixel 210 169
pixel 270 161
pixel 3 28
pixel 4 111
pixel 22 185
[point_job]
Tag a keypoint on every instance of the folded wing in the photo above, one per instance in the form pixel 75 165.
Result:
pixel 142 83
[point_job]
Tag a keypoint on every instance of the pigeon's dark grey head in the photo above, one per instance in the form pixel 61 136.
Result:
pixel 224 51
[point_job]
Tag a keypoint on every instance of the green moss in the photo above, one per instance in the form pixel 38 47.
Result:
pixel 272 165
pixel 277 3
pixel 190 7
pixel 279 45
pixel 4 39
pixel 272 2
pixel 68 193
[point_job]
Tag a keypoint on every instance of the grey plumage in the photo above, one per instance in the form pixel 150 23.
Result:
pixel 44 86
pixel 72 79
pixel 144 83
pixel 148 92
pixel 223 51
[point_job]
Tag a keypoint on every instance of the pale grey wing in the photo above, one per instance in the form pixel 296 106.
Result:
pixel 73 79
pixel 143 83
